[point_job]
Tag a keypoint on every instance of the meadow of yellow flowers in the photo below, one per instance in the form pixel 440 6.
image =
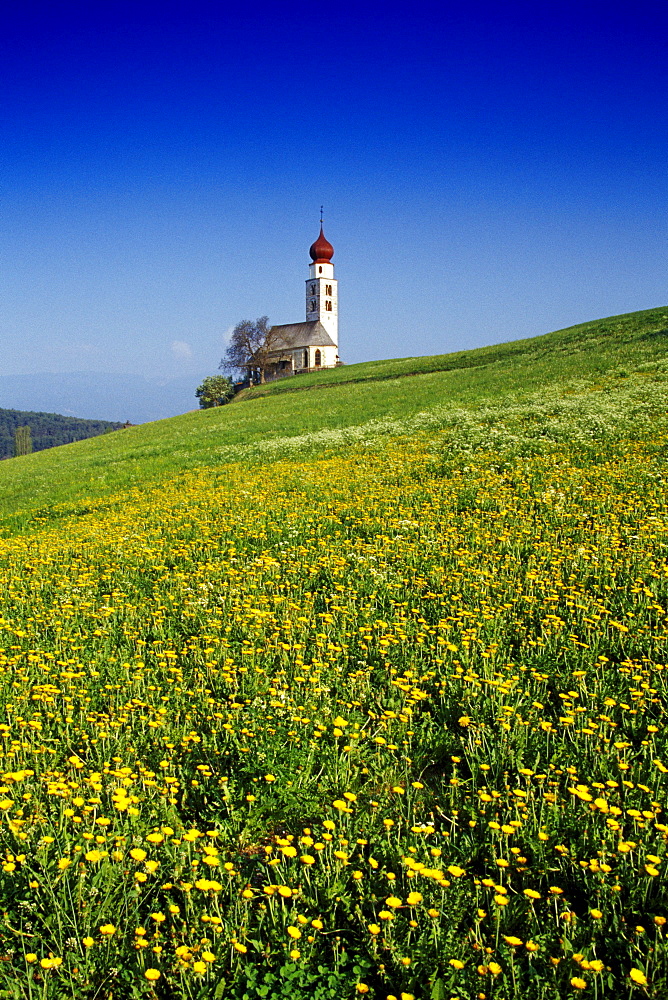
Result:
pixel 389 722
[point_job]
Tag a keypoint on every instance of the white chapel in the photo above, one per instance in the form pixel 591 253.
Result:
pixel 313 344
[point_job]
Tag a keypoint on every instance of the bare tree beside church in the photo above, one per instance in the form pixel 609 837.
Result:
pixel 251 344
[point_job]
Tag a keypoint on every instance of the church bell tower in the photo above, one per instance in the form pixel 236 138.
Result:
pixel 322 300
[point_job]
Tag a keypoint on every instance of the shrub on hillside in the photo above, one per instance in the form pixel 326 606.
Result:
pixel 214 391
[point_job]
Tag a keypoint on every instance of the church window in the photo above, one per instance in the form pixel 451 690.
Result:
pixel 319 270
pixel 328 306
pixel 318 359
pixel 312 289
pixel 328 289
pixel 312 305
pixel 305 359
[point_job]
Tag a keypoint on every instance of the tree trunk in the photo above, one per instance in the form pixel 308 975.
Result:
pixel 22 441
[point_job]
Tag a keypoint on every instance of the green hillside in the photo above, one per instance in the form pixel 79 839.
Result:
pixel 354 687
pixel 551 356
pixel 363 403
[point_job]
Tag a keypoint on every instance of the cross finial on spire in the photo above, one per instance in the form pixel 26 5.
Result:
pixel 321 208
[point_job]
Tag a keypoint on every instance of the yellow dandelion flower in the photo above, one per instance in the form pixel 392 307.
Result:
pixel 50 963
pixel 95 855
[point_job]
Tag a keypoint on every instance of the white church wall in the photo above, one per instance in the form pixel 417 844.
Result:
pixel 321 270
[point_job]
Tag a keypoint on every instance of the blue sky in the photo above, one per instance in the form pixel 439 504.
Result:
pixel 488 171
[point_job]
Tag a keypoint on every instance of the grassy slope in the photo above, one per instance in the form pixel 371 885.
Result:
pixel 593 342
pixel 359 396
pixel 478 586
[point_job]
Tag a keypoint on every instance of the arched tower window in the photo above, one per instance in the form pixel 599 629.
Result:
pixel 318 358
pixel 305 359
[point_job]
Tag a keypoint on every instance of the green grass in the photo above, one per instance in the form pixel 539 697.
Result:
pixel 281 418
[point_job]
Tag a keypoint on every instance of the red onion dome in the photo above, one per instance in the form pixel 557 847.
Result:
pixel 321 251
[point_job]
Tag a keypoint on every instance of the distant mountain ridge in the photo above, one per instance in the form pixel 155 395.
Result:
pixel 48 430
pixel 97 396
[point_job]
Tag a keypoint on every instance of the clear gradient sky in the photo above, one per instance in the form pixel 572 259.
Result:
pixel 489 171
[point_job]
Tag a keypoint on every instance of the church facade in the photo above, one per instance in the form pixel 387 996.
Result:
pixel 313 344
